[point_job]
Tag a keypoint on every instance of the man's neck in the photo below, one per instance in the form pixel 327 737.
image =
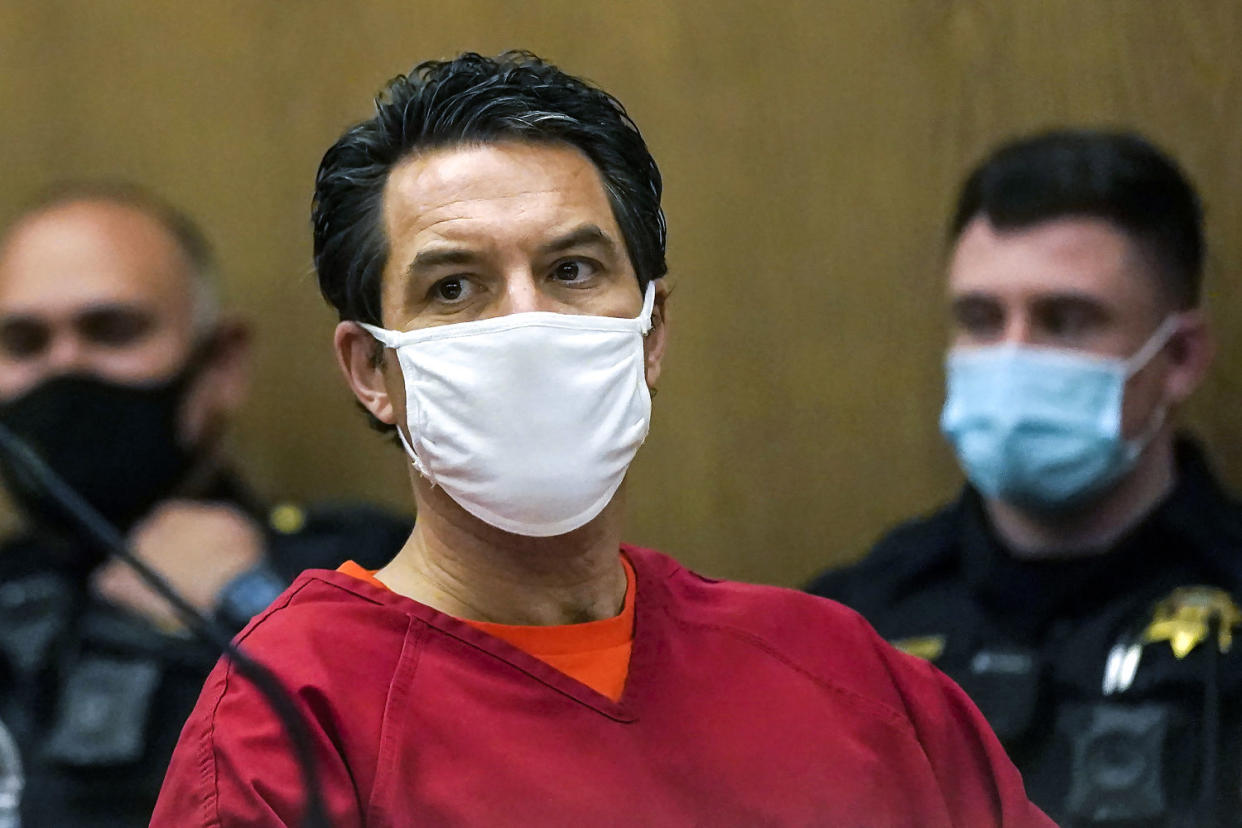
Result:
pixel 1093 529
pixel 465 568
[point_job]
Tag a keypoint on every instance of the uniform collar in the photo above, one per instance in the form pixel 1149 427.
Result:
pixel 1192 535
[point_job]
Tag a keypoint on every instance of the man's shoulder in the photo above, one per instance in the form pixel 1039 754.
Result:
pixel 904 555
pixel 334 643
pixel 326 602
pixel 771 611
pixel 811 635
pixel 700 598
pixel 326 622
pixel 1204 515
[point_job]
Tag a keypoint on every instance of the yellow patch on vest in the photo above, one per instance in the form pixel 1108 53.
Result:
pixel 926 647
pixel 1186 617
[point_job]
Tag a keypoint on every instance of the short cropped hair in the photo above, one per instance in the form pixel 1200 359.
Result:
pixel 473 100
pixel 180 227
pixel 1117 176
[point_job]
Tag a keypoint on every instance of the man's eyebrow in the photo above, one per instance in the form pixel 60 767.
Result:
pixel 1067 298
pixel 19 318
pixel 584 236
pixel 973 298
pixel 95 309
pixel 102 308
pixel 1076 301
pixel 435 257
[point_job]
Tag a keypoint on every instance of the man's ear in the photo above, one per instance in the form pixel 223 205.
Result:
pixel 657 338
pixel 356 355
pixel 222 383
pixel 1190 356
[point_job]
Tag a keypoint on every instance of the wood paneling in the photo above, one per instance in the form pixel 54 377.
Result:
pixel 810 150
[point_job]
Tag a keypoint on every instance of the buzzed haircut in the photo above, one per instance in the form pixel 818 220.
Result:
pixel 473 100
pixel 187 235
pixel 1118 176
pixel 183 230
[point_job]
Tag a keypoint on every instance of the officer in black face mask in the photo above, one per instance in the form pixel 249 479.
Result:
pixel 116 366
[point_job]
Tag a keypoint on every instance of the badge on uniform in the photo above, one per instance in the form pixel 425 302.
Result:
pixel 1185 619
pixel 926 647
pixel 1189 615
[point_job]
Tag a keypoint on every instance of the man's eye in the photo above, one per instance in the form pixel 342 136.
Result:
pixel 1068 323
pixel 451 289
pixel 114 329
pixel 978 320
pixel 1071 321
pixel 24 340
pixel 573 270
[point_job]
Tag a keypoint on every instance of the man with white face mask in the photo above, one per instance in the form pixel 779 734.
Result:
pixel 494 244
pixel 1083 587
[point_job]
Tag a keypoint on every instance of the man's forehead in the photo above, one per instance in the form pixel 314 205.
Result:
pixel 1069 254
pixel 90 253
pixel 473 180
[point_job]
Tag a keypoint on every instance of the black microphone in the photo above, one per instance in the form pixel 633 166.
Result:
pixel 24 461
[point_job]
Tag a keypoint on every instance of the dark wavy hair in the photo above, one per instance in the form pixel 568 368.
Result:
pixel 1118 176
pixel 473 99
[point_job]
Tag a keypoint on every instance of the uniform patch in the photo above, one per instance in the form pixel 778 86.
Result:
pixel 926 647
pixel 1187 616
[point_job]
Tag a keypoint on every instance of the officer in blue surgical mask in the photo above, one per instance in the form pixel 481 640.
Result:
pixel 1083 588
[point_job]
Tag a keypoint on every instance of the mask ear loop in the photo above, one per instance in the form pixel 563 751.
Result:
pixel 409 450
pixel 1137 363
pixel 388 339
pixel 644 316
pixel 1152 346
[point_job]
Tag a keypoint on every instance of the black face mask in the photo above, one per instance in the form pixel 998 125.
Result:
pixel 115 444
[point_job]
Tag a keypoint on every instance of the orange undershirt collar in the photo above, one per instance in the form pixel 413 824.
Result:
pixel 595 653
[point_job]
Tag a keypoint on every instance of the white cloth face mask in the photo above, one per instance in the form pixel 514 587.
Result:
pixel 528 421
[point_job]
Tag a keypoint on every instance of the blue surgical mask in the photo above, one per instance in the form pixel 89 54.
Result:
pixel 1041 427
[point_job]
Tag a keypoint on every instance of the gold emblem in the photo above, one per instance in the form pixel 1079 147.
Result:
pixel 1185 618
pixel 287 518
pixel 926 647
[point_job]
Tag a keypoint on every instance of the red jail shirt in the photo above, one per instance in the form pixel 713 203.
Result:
pixel 743 705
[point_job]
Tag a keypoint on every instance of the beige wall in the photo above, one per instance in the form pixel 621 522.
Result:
pixel 810 150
